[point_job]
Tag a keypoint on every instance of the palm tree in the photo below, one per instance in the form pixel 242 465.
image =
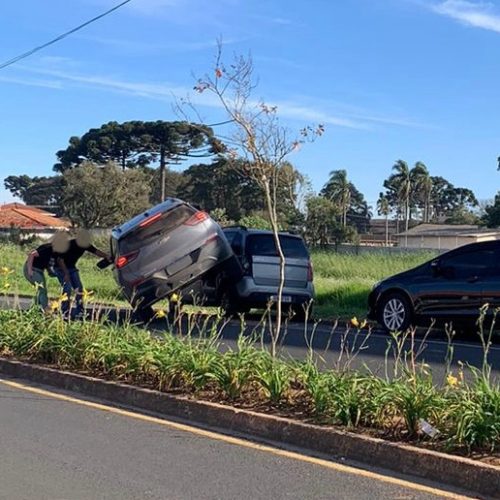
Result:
pixel 400 182
pixel 422 187
pixel 384 208
pixel 339 190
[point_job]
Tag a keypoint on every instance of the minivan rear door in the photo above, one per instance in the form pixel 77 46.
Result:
pixel 260 251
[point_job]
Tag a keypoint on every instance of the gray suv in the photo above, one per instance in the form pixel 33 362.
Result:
pixel 256 251
pixel 165 249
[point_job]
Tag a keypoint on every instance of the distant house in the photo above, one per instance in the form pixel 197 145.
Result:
pixel 30 220
pixel 444 236
pixel 376 234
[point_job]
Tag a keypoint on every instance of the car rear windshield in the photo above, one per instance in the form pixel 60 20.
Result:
pixel 263 244
pixel 144 235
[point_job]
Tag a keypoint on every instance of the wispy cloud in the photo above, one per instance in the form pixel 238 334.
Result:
pixel 32 82
pixel 145 46
pixel 310 114
pixel 280 20
pixel 477 14
pixel 158 91
pixel 168 92
pixel 153 6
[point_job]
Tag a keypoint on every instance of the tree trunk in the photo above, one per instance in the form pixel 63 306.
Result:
pixel 386 230
pixel 407 215
pixel 271 208
pixel 162 173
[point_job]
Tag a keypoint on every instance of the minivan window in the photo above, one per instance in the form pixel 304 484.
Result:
pixel 167 222
pixel 263 244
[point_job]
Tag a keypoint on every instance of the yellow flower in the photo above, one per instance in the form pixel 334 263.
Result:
pixel 4 271
pixel 87 294
pixel 451 380
pixel 174 298
pixel 160 313
pixel 355 322
pixel 6 286
pixel 63 297
pixel 54 305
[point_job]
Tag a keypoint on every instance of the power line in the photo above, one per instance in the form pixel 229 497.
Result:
pixel 60 37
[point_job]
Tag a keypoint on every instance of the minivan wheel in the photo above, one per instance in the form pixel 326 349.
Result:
pixel 395 313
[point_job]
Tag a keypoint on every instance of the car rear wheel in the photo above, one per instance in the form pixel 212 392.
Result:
pixel 395 313
pixel 144 314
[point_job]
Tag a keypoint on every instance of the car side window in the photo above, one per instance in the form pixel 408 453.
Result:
pixel 469 265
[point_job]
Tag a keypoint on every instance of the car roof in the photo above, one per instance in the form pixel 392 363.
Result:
pixel 471 247
pixel 258 231
pixel 120 231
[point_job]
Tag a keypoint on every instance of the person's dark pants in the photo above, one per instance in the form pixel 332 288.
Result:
pixel 75 283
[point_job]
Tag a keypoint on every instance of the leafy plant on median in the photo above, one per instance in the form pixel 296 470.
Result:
pixel 466 414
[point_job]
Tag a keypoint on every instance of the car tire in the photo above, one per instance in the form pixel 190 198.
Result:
pixel 144 314
pixel 395 313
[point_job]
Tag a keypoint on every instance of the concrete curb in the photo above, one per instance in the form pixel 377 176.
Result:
pixel 455 471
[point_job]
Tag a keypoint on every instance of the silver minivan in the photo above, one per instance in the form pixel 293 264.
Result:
pixel 258 287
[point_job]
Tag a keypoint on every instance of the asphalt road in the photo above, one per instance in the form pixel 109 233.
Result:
pixel 336 346
pixel 58 447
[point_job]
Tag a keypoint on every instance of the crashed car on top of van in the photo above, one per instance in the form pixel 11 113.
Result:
pixel 165 249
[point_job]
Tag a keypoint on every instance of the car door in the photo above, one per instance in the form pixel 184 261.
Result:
pixel 491 282
pixel 455 289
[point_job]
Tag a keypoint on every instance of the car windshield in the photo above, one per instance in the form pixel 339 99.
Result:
pixel 263 244
pixel 167 222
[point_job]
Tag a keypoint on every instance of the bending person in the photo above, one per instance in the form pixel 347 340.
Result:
pixel 39 261
pixel 69 275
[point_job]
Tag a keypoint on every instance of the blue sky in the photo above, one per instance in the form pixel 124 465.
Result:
pixel 410 79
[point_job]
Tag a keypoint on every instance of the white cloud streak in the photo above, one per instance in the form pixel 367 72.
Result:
pixel 477 14
pixel 144 46
pixel 48 84
pixel 168 93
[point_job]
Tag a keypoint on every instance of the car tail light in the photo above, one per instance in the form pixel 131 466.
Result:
pixel 310 272
pixel 123 260
pixel 196 218
pixel 150 220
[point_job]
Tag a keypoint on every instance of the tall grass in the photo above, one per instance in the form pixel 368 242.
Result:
pixel 342 281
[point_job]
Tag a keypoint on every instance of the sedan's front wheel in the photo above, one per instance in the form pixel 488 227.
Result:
pixel 395 313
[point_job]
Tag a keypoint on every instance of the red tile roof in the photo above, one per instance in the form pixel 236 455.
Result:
pixel 26 217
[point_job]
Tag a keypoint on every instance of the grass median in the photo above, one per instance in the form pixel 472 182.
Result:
pixel 342 281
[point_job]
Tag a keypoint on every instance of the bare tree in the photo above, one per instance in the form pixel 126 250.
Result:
pixel 258 137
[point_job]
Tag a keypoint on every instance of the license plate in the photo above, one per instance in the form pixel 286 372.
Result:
pixel 284 298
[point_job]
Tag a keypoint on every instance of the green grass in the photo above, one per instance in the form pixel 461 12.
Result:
pixel 100 282
pixel 342 281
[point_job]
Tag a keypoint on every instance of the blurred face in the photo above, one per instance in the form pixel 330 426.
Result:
pixel 60 242
pixel 82 238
